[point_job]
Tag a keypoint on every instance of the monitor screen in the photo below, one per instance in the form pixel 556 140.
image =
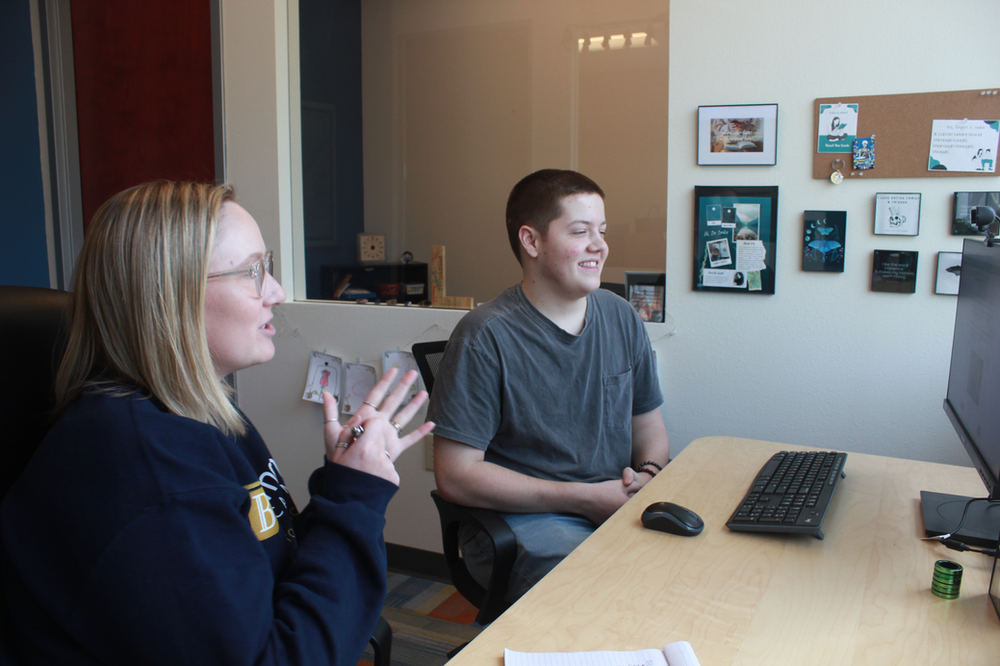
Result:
pixel 973 402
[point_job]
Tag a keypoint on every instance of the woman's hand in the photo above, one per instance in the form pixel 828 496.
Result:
pixel 379 444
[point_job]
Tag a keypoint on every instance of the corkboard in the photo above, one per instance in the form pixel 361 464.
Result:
pixel 902 128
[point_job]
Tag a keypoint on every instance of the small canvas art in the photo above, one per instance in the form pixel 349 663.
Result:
pixel 897 213
pixel 894 271
pixel 949 273
pixel 823 240
pixel 961 221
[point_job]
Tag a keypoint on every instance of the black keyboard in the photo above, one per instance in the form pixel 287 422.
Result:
pixel 790 494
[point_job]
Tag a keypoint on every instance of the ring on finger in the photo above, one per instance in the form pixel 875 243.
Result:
pixel 357 431
pixel 399 428
pixel 344 445
pixel 365 402
pixel 387 455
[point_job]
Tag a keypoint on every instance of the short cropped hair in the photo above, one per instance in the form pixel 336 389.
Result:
pixel 537 200
pixel 137 317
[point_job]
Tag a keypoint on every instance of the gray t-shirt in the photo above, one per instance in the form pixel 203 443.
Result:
pixel 542 401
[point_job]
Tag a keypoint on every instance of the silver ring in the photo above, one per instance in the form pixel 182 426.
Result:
pixel 365 402
pixel 357 431
pixel 388 456
pixel 329 421
pixel 344 445
pixel 399 429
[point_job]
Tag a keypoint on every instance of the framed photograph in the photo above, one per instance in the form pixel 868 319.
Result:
pixel 894 271
pixel 961 221
pixel 744 134
pixel 897 213
pixel 736 229
pixel 823 240
pixel 646 293
pixel 949 273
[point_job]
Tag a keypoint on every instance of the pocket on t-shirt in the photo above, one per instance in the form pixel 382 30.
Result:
pixel 618 400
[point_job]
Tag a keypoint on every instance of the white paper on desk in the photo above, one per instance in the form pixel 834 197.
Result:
pixel 676 654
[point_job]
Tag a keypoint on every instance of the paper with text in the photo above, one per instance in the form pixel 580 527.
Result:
pixel 676 654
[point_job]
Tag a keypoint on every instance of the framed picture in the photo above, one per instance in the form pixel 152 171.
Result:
pixel 961 221
pixel 823 238
pixel 736 229
pixel 897 213
pixel 646 293
pixel 949 273
pixel 894 271
pixel 737 135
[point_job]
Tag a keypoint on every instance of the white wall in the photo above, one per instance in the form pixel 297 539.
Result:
pixel 823 362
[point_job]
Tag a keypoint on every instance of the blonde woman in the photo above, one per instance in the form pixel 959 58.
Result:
pixel 152 526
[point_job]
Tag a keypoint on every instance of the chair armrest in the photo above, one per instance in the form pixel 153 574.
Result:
pixel 491 601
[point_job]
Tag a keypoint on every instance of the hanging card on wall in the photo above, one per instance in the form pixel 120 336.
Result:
pixel 964 145
pixel 838 127
pixel 359 380
pixel 324 375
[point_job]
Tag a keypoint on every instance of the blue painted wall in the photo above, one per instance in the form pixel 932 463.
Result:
pixel 23 256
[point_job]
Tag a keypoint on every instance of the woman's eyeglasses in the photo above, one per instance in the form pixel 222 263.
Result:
pixel 257 271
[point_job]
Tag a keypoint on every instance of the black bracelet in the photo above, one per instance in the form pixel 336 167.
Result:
pixel 643 469
pixel 650 462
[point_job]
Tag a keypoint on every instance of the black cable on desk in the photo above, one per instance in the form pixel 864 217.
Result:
pixel 958 545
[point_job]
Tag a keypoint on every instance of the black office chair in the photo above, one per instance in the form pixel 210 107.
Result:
pixel 31 323
pixel 31 345
pixel 31 342
pixel 490 600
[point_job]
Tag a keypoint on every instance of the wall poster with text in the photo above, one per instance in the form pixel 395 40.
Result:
pixel 734 241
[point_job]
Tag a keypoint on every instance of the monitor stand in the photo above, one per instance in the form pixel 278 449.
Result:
pixel 942 514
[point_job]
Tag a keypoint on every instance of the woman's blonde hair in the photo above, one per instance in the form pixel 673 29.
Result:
pixel 137 320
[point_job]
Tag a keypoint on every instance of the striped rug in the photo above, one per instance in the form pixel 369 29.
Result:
pixel 428 620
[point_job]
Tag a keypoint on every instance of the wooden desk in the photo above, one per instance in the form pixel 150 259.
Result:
pixel 861 596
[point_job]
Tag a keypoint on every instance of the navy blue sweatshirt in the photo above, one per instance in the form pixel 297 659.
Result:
pixel 136 536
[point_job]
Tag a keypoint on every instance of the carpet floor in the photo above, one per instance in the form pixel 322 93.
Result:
pixel 428 620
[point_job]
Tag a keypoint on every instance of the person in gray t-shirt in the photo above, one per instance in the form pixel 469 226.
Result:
pixel 547 398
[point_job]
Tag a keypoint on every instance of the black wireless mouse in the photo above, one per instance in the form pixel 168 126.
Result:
pixel 672 518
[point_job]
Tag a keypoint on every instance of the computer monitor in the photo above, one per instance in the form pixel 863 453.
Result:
pixel 973 399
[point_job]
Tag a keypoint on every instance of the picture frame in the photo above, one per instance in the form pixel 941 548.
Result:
pixel 646 293
pixel 897 213
pixel 949 273
pixel 895 271
pixel 824 235
pixel 961 219
pixel 738 135
pixel 736 230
